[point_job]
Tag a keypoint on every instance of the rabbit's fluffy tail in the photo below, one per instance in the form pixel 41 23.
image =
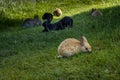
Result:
pixel 59 56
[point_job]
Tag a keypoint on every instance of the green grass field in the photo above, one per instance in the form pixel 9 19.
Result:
pixel 29 54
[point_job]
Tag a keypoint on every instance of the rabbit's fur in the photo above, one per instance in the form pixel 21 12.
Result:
pixel 37 20
pixel 72 46
pixel 57 12
pixel 65 22
pixel 48 26
pixel 29 22
pixel 95 12
pixel 51 26
pixel 47 16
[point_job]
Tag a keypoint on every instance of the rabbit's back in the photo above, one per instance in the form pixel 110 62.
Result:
pixel 97 13
pixel 38 22
pixel 67 21
pixel 69 47
pixel 28 23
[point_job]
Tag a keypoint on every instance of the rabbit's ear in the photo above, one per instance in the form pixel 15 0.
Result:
pixel 95 9
pixel 83 39
pixel 92 9
pixel 56 8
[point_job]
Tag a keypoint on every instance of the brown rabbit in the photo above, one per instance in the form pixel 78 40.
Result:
pixel 72 46
pixel 95 12
pixel 57 12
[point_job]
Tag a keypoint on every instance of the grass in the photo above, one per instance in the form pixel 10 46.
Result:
pixel 29 54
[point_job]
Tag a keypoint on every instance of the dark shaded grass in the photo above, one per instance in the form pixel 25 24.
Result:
pixel 12 12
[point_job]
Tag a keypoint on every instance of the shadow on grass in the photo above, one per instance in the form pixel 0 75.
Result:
pixel 6 53
pixel 110 18
pixel 104 31
pixel 6 23
pixel 106 26
pixel 110 21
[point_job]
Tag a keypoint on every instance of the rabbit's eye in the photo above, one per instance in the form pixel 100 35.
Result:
pixel 86 48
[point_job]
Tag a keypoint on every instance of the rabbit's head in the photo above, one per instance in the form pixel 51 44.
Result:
pixel 37 21
pixel 57 12
pixel 36 17
pixel 47 16
pixel 85 45
pixel 92 10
